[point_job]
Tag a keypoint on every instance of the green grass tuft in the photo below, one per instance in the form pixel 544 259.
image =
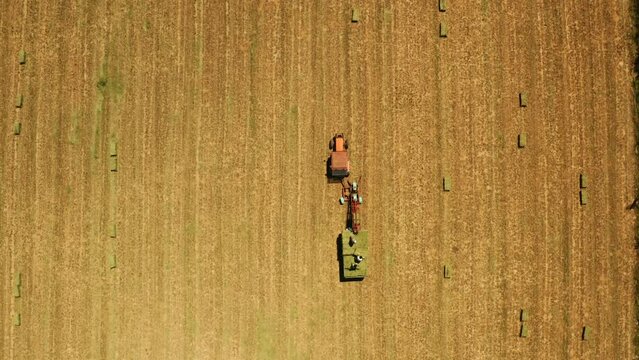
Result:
pixel 102 83
pixel 74 137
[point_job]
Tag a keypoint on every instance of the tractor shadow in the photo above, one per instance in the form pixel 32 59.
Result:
pixel 340 260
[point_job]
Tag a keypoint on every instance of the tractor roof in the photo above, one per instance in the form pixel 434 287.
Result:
pixel 339 160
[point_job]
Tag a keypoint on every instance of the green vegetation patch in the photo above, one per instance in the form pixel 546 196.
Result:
pixel 388 15
pixel 110 86
pixel 253 62
pixel 109 80
pixel 74 138
pixel 190 229
pixel 265 338
pixel 292 122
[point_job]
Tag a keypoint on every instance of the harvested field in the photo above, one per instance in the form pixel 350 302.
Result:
pixel 226 224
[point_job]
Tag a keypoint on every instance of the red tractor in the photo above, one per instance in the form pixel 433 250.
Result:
pixel 339 164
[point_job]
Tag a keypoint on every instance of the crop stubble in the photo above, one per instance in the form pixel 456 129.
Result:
pixel 226 225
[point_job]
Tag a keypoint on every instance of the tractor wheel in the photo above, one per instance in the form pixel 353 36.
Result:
pixel 346 144
pixel 331 144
